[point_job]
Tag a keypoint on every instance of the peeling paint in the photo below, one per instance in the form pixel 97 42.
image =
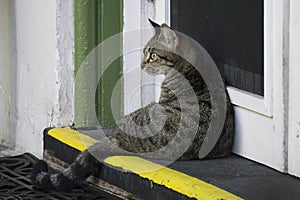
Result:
pixel 44 62
pixel 64 113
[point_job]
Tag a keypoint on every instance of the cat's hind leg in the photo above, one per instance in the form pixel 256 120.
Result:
pixel 84 166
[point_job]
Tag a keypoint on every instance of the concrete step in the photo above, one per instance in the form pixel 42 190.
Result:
pixel 230 178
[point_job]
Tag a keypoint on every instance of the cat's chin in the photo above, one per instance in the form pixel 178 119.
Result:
pixel 152 73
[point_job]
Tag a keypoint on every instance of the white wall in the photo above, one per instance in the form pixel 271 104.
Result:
pixel 7 74
pixel 44 69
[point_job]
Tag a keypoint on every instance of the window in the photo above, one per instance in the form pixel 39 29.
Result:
pixel 232 33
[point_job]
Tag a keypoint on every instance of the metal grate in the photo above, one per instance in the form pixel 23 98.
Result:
pixel 15 183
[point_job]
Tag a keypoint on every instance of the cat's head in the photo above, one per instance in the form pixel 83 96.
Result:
pixel 158 58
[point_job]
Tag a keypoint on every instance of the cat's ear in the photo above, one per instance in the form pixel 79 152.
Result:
pixel 155 26
pixel 168 36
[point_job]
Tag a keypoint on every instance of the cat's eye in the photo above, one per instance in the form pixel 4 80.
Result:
pixel 153 56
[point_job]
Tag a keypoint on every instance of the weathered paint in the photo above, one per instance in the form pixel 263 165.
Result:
pixel 43 71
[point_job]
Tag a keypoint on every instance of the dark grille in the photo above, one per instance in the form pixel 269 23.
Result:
pixel 15 183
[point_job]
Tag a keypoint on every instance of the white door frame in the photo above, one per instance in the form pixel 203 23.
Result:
pixel 139 88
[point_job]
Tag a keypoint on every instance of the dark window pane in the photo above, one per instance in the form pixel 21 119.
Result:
pixel 232 33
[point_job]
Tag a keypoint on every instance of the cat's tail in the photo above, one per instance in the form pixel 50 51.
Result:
pixel 84 166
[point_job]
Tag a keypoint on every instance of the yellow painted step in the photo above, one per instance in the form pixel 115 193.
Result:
pixel 175 180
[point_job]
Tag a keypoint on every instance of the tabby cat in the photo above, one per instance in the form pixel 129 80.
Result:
pixel 172 129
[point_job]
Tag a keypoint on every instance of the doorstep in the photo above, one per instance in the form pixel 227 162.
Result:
pixel 229 178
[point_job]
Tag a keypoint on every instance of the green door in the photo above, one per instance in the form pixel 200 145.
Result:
pixel 95 21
